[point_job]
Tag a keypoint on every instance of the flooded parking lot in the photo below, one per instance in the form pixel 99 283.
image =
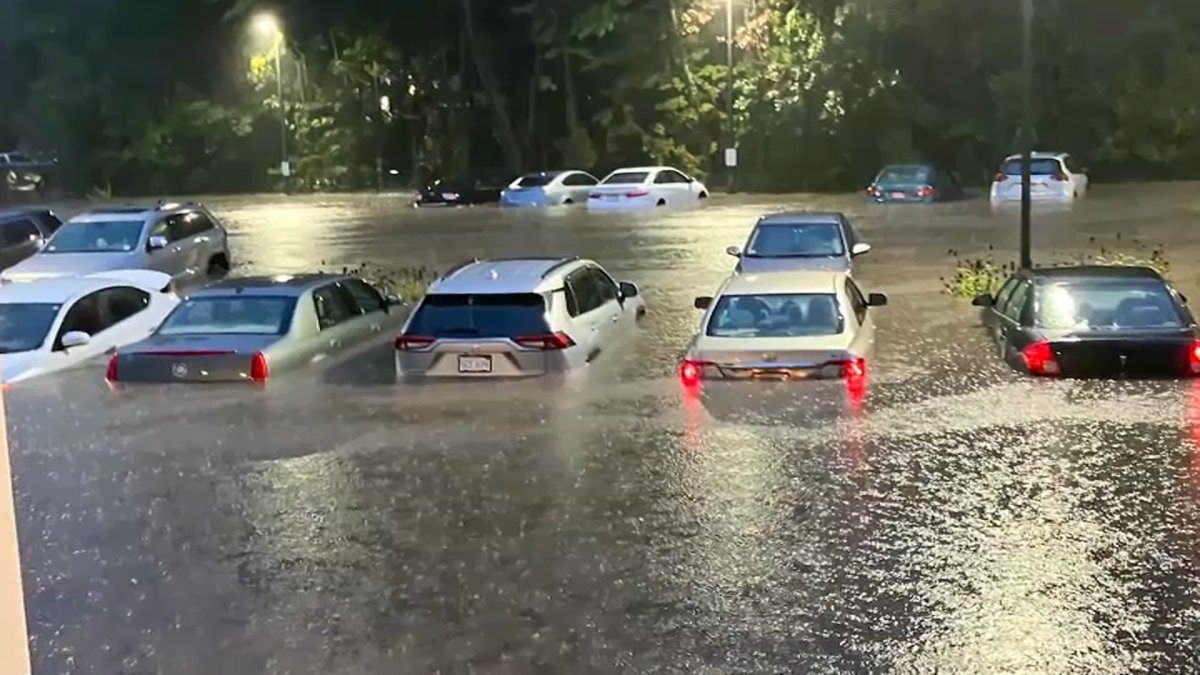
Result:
pixel 959 518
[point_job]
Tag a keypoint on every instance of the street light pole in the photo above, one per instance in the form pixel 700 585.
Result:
pixel 1027 134
pixel 729 131
pixel 284 166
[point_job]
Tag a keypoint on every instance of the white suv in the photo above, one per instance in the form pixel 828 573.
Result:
pixel 1053 179
pixel 515 318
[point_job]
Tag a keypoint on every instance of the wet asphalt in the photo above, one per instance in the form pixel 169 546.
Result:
pixel 957 518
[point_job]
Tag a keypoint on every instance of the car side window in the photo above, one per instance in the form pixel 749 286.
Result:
pixel 579 179
pixel 49 222
pixel 85 315
pixel 676 177
pixel 189 225
pixel 17 232
pixel 120 303
pixel 1016 303
pixel 608 289
pixel 662 178
pixel 162 228
pixel 857 302
pixel 333 306
pixel 587 292
pixel 366 299
pixel 1004 294
pixel 848 231
pixel 572 301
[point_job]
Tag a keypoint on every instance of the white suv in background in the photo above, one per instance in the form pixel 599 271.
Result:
pixel 515 318
pixel 1053 179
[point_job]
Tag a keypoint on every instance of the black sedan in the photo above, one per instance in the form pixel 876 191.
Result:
pixel 1093 321
pixel 458 192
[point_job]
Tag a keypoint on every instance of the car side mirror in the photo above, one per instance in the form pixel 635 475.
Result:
pixel 702 302
pixel 877 300
pixel 734 251
pixel 156 242
pixel 629 290
pixel 985 300
pixel 860 249
pixel 75 338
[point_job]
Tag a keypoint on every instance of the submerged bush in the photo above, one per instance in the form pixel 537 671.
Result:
pixel 407 283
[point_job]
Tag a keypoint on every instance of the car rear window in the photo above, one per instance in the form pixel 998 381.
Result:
pixel 627 178
pixel 24 326
pixel 536 180
pixel 230 315
pixel 904 174
pixel 96 237
pixel 776 315
pixel 483 315
pixel 796 240
pixel 1038 167
pixel 1106 305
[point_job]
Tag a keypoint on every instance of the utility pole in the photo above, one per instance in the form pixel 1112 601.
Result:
pixel 1027 133
pixel 731 146
pixel 285 167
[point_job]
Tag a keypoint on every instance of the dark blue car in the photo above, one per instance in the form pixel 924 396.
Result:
pixel 914 184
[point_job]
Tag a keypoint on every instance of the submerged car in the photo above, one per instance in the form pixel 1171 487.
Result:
pixel 786 325
pixel 1053 178
pixel 914 184
pixel 49 325
pixel 24 232
pixel 549 188
pixel 1093 321
pixel 645 187
pixel 458 192
pixel 800 240
pixel 517 317
pixel 247 329
pixel 185 241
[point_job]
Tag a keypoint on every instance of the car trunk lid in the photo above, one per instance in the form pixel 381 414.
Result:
pixel 214 358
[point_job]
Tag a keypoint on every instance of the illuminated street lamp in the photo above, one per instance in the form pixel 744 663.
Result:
pixel 267 25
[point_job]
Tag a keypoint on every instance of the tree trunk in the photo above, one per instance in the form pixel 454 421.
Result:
pixel 501 122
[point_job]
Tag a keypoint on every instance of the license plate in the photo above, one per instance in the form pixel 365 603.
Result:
pixel 899 195
pixel 449 196
pixel 612 198
pixel 474 364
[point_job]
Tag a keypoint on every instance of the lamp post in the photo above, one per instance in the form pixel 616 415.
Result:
pixel 268 25
pixel 731 142
pixel 1027 135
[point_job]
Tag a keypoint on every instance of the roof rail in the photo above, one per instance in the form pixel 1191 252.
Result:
pixel 459 267
pixel 560 263
pixel 164 205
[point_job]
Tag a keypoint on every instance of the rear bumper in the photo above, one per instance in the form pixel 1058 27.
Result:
pixel 445 365
pixel 908 200
pixel 1012 197
pixel 623 204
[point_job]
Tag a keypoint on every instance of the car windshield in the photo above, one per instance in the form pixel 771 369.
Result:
pixel 1038 167
pixel 230 315
pixel 536 180
pixel 23 327
pixel 1109 304
pixel 627 178
pixel 904 174
pixel 488 315
pixel 96 237
pixel 748 316
pixel 796 240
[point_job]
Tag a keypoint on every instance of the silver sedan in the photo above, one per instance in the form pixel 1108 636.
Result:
pixel 248 329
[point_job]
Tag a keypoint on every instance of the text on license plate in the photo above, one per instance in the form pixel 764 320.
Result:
pixel 899 195
pixel 474 364
pixel 612 198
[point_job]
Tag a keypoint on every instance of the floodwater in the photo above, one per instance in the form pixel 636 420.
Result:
pixel 956 518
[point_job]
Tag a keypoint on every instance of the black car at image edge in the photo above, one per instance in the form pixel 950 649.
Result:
pixel 1093 321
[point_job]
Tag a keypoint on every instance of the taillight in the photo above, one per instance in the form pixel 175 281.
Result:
pixel 874 191
pixel 410 343
pixel 550 342
pixel 1039 359
pixel 925 191
pixel 1000 177
pixel 258 367
pixel 855 369
pixel 692 371
pixel 111 373
pixel 1194 358
pixel 634 194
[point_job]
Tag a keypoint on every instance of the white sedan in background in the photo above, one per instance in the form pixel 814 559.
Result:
pixel 644 187
pixel 1053 179
pixel 52 324
pixel 549 188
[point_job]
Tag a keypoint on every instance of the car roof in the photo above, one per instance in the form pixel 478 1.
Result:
pixel 796 217
pixel 509 275
pixel 279 285
pixel 783 281
pixel 1094 272
pixel 140 211
pixel 1039 155
pixel 642 168
pixel 55 290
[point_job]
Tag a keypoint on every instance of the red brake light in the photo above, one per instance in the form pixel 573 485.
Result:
pixel 111 373
pixel 633 194
pixel 258 367
pixel 1194 358
pixel 925 191
pixel 1039 358
pixel 409 343
pixel 550 342
pixel 691 372
pixel 1059 176
pixel 1000 177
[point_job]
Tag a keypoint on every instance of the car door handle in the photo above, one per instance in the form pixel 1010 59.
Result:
pixel 616 318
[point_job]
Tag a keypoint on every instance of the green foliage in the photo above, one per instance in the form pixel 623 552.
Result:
pixel 407 283
pixel 976 276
